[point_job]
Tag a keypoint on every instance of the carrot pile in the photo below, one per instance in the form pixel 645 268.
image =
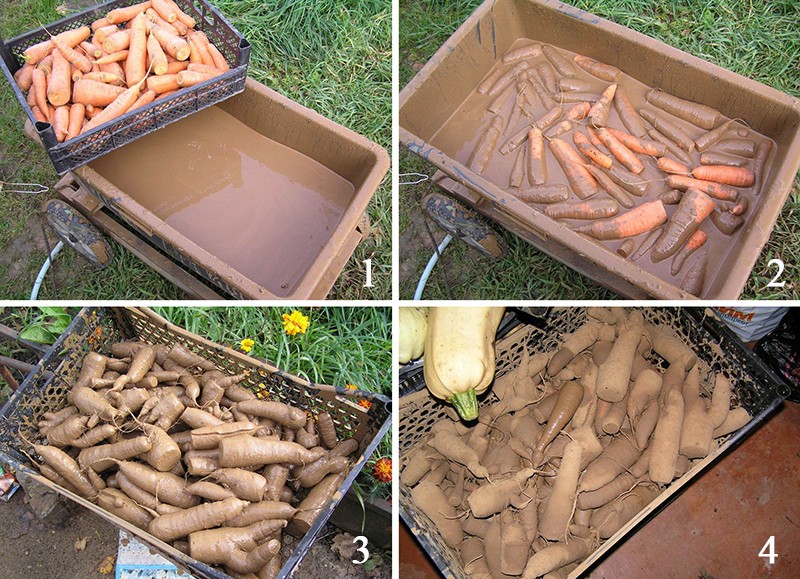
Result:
pixel 83 78
pixel 571 444
pixel 159 436
pixel 663 151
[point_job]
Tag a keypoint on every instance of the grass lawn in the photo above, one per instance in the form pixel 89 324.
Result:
pixel 333 57
pixel 758 39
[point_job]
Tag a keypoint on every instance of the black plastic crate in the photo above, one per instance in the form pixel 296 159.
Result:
pixel 130 126
pixel 96 328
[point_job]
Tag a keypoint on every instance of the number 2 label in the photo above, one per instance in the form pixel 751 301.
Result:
pixel 775 282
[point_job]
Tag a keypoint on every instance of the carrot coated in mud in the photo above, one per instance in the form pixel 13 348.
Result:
pixel 639 220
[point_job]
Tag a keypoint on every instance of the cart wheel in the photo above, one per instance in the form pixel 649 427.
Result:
pixel 77 232
pixel 462 222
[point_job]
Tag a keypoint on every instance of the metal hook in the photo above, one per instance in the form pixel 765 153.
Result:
pixel 27 188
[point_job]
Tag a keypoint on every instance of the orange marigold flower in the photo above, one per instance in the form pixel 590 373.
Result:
pixel 351 386
pixel 382 471
pixel 364 403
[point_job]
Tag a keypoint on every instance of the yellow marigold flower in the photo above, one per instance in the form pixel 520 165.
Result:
pixel 247 344
pixel 295 323
pixel 382 471
pixel 351 386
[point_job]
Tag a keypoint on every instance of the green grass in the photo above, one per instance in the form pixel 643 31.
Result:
pixel 333 57
pixel 755 38
pixel 341 346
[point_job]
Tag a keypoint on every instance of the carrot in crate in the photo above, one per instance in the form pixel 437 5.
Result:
pixel 698 114
pixel 694 208
pixel 580 180
pixel 639 220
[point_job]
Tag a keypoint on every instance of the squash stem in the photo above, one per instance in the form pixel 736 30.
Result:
pixel 466 404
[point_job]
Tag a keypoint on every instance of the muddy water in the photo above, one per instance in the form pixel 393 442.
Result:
pixel 263 208
pixel 459 136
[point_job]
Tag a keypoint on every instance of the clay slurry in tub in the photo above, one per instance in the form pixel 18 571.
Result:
pixel 261 207
pixel 534 113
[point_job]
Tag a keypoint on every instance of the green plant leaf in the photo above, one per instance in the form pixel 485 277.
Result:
pixel 58 324
pixel 54 312
pixel 37 334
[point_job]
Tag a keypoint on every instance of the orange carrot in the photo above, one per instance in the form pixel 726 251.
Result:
pixel 627 114
pixel 46 64
pixel 34 54
pixel 219 60
pixel 92 92
pixel 595 140
pixel 77 59
pixel 24 77
pixel 90 49
pixel 695 242
pixel 672 131
pixel 157 59
pixel 165 10
pixel 147 97
pixel 114 68
pixel 580 180
pixel 118 56
pixel 136 63
pixel 38 114
pixel 117 108
pixel 196 57
pixel 106 77
pixel 587 209
pixel 671 166
pixel 578 112
pixel 163 83
pixel 590 151
pixel 623 154
pixel 120 15
pixel 153 16
pixel 61 123
pixel 537 164
pixel 676 151
pixel 708 139
pixel 486 146
pixel 184 18
pixel 601 70
pixel 118 41
pixel 694 280
pixel 638 145
pixel 598 114
pixel 759 162
pixel 39 87
pixel 77 112
pixel 517 171
pixel 100 23
pixel 190 78
pixel 559 62
pixel 92 112
pixel 716 190
pixel 172 44
pixel 698 114
pixel 59 83
pixel 736 176
pixel 201 68
pixel 694 208
pixel 177 66
pixel 529 51
pixel 614 191
pixel 639 220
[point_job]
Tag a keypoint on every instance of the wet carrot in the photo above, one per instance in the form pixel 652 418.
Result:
pixel 518 170
pixel 736 176
pixel 544 97
pixel 632 183
pixel 600 70
pixel 574 85
pixel 507 78
pixel 498 102
pixel 672 131
pixel 559 62
pixel 561 128
pixel 741 206
pixel 537 164
pixel 516 109
pixel 759 163
pixel 590 151
pixel 716 158
pixel 672 166
pixel 615 191
pixel 529 51
pixel 574 97
pixel 726 221
pixel 544 194
pixel 638 145
pixel 706 140
pixel 639 220
pixel 694 208
pixel 623 154
pixel 595 140
pixel 698 114
pixel 598 113
pixel 695 278
pixel 549 117
pixel 486 145
pixel 514 141
pixel 489 80
pixel 716 190
pixel 580 180
pixel 547 76
pixel 741 147
pixel 587 209
pixel 648 242
pixel 695 242
pixel 626 248
pixel 676 151
pixel 670 196
pixel 627 113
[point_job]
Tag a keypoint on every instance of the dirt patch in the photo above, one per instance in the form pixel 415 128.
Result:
pixel 17 253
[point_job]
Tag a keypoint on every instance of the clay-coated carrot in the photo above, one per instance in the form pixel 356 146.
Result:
pixel 706 140
pixel 676 151
pixel 638 145
pixel 639 220
pixel 587 209
pixel 671 196
pixel 698 114
pixel 498 102
pixel 726 221
pixel 623 154
pixel 518 170
pixel 648 242
pixel 548 76
pixel 716 190
pixel 601 70
pixel 77 113
pixel 615 191
pixel 626 247
pixel 741 147
pixel 695 241
pixel 627 113
pixel 694 208
pixel 672 131
pixel 694 280
pixel 561 128
pixel 549 117
pixel 545 98
pixel 120 15
pixel 575 97
pixel 590 151
pixel 486 145
pixel 537 164
pixel 172 44
pixel 59 84
pixel 578 111
pixel 717 158
pixel 544 194
pixel 759 163
pixel 529 51
pixel 598 114
pixel 736 176
pixel 741 206
pixel 490 79
pixel 580 180
pixel 672 166
pixel 574 85
pixel 136 63
pixel 514 141
pixel 39 87
pixel 508 77
pixel 92 92
pixel 559 62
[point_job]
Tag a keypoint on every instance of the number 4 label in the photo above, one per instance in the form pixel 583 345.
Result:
pixel 768 550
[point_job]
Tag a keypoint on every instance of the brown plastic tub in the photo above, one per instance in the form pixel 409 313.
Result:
pixel 259 195
pixel 435 94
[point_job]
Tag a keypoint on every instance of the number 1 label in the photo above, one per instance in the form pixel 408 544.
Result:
pixel 368 266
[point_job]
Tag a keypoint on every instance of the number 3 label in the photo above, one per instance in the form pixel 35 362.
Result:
pixel 775 282
pixel 362 549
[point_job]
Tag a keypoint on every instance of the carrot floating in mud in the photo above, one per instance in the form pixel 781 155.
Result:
pixel 715 190
pixel 518 170
pixel 547 76
pixel 528 51
pixel 537 164
pixel 706 140
pixel 717 158
pixel 671 196
pixel 741 206
pixel 614 191
pixel 561 128
pixel 544 194
pixel 672 148
pixel 639 220
pixel 559 62
pixel 638 145
pixel 760 161
pixel 672 166
pixel 627 113
pixel 726 221
pixel 632 183
pixel 489 80
pixel 626 248
pixel 590 151
pixel 672 131
pixel 698 114
pixel 545 98
pixel 695 242
pixel 601 70
pixel 741 147
pixel 506 78
pixel 590 209
pixel 695 278
pixel 623 154
pixel 598 113
pixel 736 176
pixel 595 140
pixel 514 141
pixel 574 85
pixel 486 146
pixel 580 180
pixel 500 100
pixel 648 243
pixel 694 208
pixel 575 97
